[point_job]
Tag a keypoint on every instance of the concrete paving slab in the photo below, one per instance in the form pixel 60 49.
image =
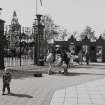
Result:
pixel 85 94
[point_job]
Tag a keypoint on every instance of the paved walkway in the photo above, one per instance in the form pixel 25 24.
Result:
pixel 28 90
pixel 91 93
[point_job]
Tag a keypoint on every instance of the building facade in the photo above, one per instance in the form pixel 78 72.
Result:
pixel 14 31
pixel 2 44
pixel 96 49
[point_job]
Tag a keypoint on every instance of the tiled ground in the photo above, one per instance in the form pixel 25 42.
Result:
pixel 91 93
pixel 29 90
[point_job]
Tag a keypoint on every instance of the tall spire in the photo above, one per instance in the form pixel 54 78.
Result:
pixel 14 14
pixel 14 19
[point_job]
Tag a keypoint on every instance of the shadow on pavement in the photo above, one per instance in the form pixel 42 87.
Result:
pixel 17 74
pixel 83 67
pixel 76 74
pixel 21 95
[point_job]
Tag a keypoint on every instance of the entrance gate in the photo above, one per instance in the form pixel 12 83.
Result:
pixel 22 52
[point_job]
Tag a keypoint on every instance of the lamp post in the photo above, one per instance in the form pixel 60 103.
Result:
pixel 35 42
pixel 39 34
pixel 38 39
pixel 20 38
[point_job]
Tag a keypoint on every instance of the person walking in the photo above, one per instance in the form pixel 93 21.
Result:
pixel 49 60
pixel 65 62
pixel 72 59
pixel 80 57
pixel 6 81
pixel 69 57
pixel 87 58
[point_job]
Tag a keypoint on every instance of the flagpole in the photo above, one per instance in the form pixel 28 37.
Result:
pixel 36 6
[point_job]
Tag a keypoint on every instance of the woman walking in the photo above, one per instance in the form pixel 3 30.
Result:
pixel 49 60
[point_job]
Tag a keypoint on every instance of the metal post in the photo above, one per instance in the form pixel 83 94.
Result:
pixel 38 36
pixel 20 48
pixel 35 42
pixel 36 6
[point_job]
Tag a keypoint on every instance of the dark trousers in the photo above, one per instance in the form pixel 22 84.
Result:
pixel 87 61
pixel 5 85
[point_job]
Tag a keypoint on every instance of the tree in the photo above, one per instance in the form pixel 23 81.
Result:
pixel 53 31
pixel 62 34
pixel 103 35
pixel 50 27
pixel 89 33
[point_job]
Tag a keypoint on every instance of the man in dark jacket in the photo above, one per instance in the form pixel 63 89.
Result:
pixel 87 58
pixel 65 60
pixel 65 57
pixel 6 81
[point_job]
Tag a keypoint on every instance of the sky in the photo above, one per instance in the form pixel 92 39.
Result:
pixel 73 15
